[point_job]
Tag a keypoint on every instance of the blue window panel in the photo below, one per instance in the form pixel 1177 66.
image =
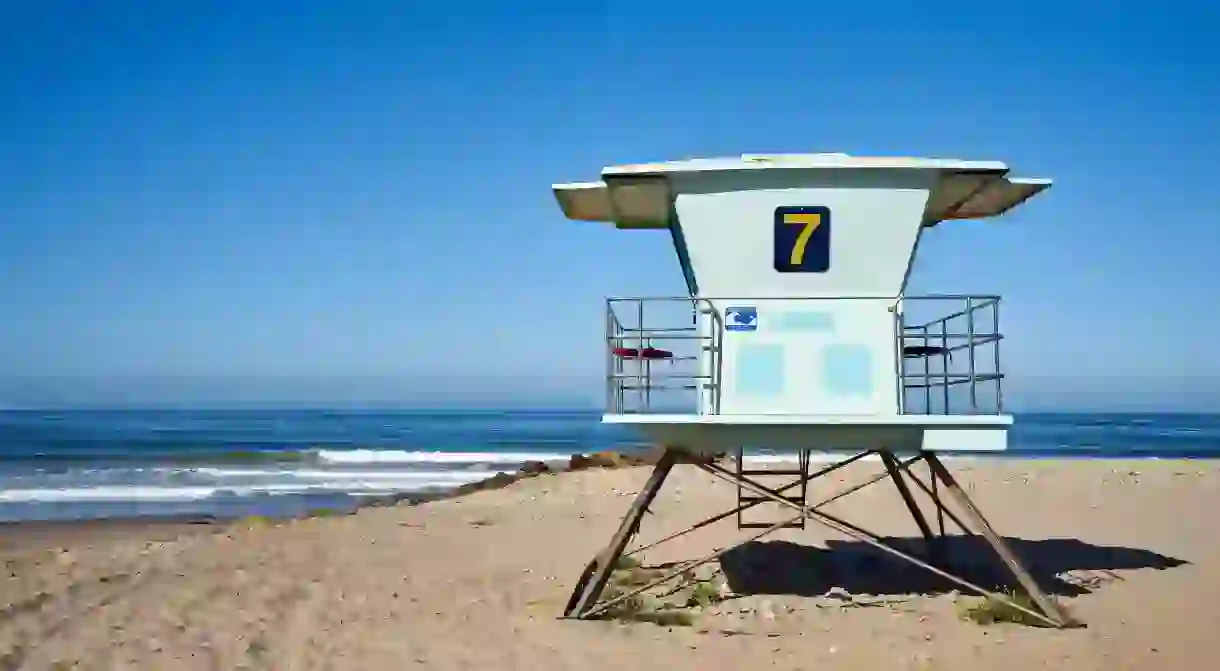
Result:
pixel 804 322
pixel 847 370
pixel 760 370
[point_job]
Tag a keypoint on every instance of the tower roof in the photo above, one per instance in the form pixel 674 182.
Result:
pixel 639 195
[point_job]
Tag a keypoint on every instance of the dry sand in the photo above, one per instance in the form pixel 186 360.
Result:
pixel 476 583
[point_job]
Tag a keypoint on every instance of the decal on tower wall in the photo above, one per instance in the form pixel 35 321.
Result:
pixel 741 319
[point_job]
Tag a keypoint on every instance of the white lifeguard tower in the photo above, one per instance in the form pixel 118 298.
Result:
pixel 797 334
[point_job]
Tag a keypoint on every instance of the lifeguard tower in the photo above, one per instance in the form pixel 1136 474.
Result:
pixel 797 336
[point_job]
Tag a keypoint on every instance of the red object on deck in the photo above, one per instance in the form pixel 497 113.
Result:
pixel 648 353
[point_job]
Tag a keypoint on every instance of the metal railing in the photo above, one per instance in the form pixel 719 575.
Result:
pixel 677 382
pixel 935 381
pixel 946 348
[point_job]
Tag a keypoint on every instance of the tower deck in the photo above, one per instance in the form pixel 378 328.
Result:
pixel 797 332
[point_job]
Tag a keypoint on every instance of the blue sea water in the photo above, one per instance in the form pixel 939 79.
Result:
pixel 97 464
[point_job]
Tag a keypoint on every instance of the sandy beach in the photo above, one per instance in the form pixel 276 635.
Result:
pixel 476 582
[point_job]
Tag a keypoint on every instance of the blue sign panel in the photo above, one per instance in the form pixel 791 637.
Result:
pixel 741 319
pixel 802 239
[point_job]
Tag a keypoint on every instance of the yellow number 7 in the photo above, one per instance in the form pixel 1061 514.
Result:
pixel 810 222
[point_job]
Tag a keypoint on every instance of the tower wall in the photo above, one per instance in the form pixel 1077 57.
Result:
pixel 805 267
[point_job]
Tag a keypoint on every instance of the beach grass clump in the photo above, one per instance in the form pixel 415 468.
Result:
pixel 991 610
pixel 641 608
pixel 677 607
pixel 637 576
pixel 703 594
pixel 624 562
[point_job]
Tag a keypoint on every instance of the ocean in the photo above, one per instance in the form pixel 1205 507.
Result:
pixel 72 465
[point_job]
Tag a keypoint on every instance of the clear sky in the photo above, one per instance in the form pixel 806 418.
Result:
pixel 349 201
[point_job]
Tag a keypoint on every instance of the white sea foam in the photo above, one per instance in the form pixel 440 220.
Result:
pixel 357 472
pixel 411 476
pixel 116 493
pixel 364 485
pixel 355 457
pixel 418 457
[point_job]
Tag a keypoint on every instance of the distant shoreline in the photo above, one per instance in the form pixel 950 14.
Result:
pixel 39 535
pixel 627 457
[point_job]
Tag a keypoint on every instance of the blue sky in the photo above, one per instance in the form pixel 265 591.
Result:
pixel 349 201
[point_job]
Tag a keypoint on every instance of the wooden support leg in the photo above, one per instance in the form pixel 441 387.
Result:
pixel 933 493
pixel 1045 603
pixel 589 589
pixel 891 465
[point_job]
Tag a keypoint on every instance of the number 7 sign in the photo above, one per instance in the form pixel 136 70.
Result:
pixel 802 239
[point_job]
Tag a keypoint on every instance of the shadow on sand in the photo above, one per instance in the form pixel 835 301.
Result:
pixel 781 567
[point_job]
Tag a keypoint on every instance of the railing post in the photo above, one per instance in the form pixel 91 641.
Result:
pixel 927 375
pixel 900 388
pixel 641 383
pixel 610 396
pixel 717 356
pixel 944 363
pixel 995 329
pixel 974 402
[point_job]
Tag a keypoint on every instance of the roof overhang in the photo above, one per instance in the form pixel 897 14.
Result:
pixel 972 195
pixel 632 203
pixel 639 196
